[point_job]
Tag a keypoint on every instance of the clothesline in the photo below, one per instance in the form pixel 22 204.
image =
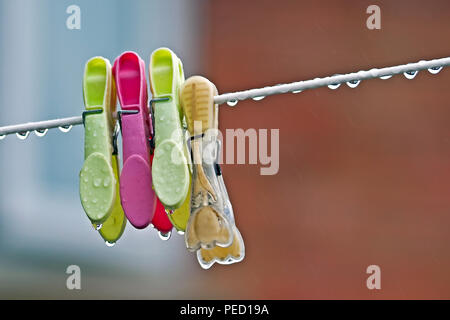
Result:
pixel 353 79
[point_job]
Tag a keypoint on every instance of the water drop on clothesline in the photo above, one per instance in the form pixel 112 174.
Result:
pixel 258 98
pixel 435 70
pixel 22 135
pixel 353 83
pixel 386 77
pixel 232 103
pixel 40 132
pixel 3 136
pixel 297 91
pixel 334 86
pixel 410 74
pixel 65 129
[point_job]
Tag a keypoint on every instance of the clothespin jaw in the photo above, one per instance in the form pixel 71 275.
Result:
pixel 170 165
pixel 211 230
pixel 99 178
pixel 137 196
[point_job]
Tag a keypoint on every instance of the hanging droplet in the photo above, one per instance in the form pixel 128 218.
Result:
pixel 435 70
pixel 232 103
pixel 3 136
pixel 386 77
pixel 258 98
pixel 410 74
pixel 110 244
pixel 353 84
pixel 98 226
pixel 40 132
pixel 334 86
pixel 164 236
pixel 297 91
pixel 180 232
pixel 65 128
pixel 22 135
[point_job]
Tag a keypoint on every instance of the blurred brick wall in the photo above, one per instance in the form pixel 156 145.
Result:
pixel 364 173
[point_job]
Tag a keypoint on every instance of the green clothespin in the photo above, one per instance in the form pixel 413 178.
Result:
pixel 99 177
pixel 170 169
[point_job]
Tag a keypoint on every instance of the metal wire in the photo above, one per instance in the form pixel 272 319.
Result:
pixel 410 70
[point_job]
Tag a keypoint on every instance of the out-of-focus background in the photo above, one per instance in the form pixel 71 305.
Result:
pixel 364 174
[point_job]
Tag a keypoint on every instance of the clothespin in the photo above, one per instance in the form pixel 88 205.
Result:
pixel 170 169
pixel 99 177
pixel 137 196
pixel 211 229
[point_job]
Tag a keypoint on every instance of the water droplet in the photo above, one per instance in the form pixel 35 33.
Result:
pixel 164 236
pixel 435 70
pixel 65 128
pixel 22 135
pixel 97 182
pixel 258 98
pixel 386 77
pixel 180 232
pixel 353 84
pixel 334 86
pixel 40 132
pixel 110 244
pixel 106 182
pixel 95 133
pixel 3 136
pixel 297 91
pixel 232 103
pixel 94 201
pixel 161 118
pixel 410 74
pixel 86 179
pixel 98 226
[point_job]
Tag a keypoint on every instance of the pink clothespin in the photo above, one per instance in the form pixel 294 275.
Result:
pixel 138 198
pixel 137 195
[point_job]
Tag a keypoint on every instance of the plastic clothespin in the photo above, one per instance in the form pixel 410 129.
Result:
pixel 211 229
pixel 137 196
pixel 170 168
pixel 99 177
